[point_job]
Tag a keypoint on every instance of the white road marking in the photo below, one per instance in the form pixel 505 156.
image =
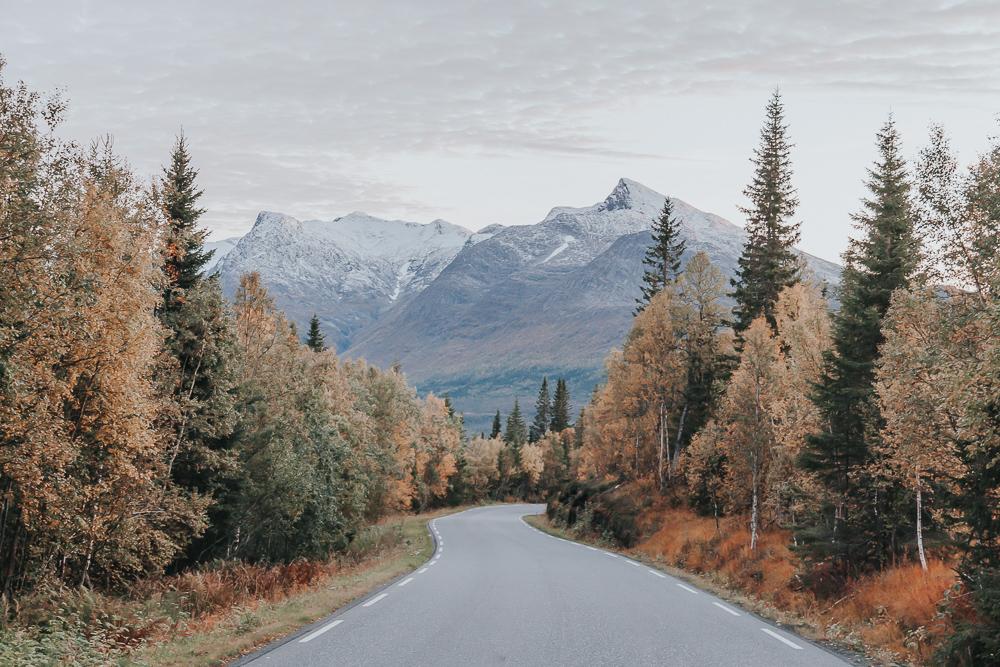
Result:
pixel 422 571
pixel 591 548
pixel 316 633
pixel 632 562
pixel 403 583
pixel 782 639
pixel 660 575
pixel 375 599
pixel 607 554
pixel 726 609
pixel 688 589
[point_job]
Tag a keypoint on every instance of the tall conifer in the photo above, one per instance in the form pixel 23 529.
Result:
pixel 543 410
pixel 516 433
pixel 315 339
pixel 185 255
pixel 495 431
pixel 560 407
pixel 768 264
pixel 201 381
pixel 663 257
pixel 885 258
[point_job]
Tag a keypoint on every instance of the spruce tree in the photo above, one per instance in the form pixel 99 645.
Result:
pixel 516 433
pixel 495 431
pixel 663 257
pixel 201 380
pixel 851 531
pixel 543 410
pixel 768 264
pixel 184 253
pixel 315 339
pixel 560 407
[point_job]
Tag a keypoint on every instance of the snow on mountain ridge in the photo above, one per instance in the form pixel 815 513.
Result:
pixel 348 270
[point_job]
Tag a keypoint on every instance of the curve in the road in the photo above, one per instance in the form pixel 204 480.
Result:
pixel 498 591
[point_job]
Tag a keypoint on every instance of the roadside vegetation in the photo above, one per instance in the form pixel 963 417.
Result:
pixel 183 476
pixel 169 458
pixel 831 451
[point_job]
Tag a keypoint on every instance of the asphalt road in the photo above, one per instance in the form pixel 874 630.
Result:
pixel 498 591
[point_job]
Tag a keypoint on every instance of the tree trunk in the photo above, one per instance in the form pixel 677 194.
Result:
pixel 677 441
pixel 754 512
pixel 920 526
pixel 637 452
pixel 659 469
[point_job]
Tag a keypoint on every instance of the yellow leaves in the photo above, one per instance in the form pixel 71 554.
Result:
pixel 916 379
pixel 481 456
pixel 532 462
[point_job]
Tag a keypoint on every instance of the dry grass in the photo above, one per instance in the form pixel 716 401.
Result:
pixel 210 615
pixel 243 627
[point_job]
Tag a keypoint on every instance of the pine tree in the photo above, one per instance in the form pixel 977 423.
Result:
pixel 495 431
pixel 663 257
pixel 543 410
pixel 516 433
pixel 315 339
pixel 185 255
pixel 202 378
pixel 852 531
pixel 768 263
pixel 560 407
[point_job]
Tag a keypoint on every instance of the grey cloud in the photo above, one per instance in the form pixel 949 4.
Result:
pixel 316 95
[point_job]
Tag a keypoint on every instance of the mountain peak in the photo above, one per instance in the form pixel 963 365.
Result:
pixel 629 194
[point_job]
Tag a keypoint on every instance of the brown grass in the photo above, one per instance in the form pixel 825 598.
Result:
pixel 243 623
pixel 209 615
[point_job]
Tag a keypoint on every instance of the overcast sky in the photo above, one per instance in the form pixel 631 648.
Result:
pixel 479 111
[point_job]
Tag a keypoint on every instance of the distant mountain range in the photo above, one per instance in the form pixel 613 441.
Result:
pixel 479 316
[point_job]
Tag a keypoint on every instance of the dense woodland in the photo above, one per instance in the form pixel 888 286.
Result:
pixel 150 426
pixel 147 425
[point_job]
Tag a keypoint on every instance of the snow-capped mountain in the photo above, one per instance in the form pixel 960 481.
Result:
pixel 550 298
pixel 348 271
pixel 479 316
pixel 219 250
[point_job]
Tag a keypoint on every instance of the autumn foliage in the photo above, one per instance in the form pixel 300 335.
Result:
pixel 147 425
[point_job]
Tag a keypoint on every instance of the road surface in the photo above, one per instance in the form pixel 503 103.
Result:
pixel 498 591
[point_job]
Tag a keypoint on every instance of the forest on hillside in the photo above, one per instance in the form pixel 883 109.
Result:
pixel 150 430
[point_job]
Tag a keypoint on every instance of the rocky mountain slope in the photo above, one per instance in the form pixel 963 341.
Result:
pixel 348 271
pixel 479 316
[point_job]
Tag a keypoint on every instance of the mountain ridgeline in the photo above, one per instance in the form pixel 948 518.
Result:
pixel 478 316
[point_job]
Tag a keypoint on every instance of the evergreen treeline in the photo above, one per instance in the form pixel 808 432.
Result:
pixel 872 431
pixel 148 424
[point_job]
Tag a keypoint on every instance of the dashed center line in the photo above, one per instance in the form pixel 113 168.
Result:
pixel 782 639
pixel 375 599
pixel 726 609
pixel 688 589
pixel 316 633
pixel 660 575
pixel 403 583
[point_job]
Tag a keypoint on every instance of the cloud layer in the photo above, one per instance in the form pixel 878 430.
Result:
pixel 318 108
